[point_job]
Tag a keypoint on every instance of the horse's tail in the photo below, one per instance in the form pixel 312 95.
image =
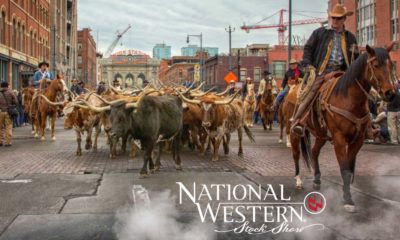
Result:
pixel 249 133
pixel 306 149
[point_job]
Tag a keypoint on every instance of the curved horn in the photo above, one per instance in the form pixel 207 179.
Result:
pixel 198 88
pixel 136 104
pixel 223 93
pixel 94 108
pixel 107 102
pixel 194 101
pixel 226 101
pixel 202 94
pixel 50 102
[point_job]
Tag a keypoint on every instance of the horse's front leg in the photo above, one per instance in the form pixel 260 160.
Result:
pixel 319 143
pixel 42 123
pixel 295 144
pixel 53 123
pixel 340 145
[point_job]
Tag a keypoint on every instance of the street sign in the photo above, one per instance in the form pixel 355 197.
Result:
pixel 230 76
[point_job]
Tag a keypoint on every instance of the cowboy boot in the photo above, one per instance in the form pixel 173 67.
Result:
pixel 298 119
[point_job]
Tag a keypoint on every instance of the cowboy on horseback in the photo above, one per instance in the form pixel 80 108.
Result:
pixel 41 74
pixel 293 74
pixel 327 50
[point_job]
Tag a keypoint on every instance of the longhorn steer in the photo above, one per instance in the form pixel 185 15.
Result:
pixel 152 119
pixel 220 119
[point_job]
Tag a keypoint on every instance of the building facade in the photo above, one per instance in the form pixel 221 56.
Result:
pixel 24 39
pixel 63 55
pixel 130 68
pixel 191 50
pixel 374 22
pixel 87 57
pixel 162 51
pixel 216 68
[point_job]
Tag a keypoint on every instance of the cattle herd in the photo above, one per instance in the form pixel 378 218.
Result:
pixel 153 117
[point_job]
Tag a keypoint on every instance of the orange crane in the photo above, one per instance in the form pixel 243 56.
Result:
pixel 282 25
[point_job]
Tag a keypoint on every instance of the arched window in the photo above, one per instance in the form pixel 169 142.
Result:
pixel 19 36
pixel 40 48
pixel 3 28
pixel 14 34
pixel 34 45
pixel 31 44
pixel 23 39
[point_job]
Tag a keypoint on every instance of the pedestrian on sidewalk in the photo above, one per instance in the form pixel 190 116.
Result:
pixel 7 99
pixel 393 116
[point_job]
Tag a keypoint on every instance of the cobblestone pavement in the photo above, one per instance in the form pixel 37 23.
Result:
pixel 265 157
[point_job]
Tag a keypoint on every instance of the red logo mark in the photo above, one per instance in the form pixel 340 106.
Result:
pixel 314 202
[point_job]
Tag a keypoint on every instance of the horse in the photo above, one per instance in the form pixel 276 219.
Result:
pixel 27 96
pixel 249 105
pixel 343 103
pixel 286 111
pixel 47 105
pixel 265 106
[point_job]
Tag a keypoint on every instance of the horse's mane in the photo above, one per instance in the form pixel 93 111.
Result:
pixel 356 70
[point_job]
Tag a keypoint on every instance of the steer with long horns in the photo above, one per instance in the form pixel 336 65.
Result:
pixel 221 117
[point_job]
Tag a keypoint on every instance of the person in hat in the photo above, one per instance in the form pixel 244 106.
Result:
pixel 101 87
pixel 328 49
pixel 245 87
pixel 291 75
pixel 116 84
pixel 42 73
pixel 260 91
pixel 75 88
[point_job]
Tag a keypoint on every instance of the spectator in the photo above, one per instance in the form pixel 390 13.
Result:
pixel 393 117
pixel 100 88
pixel 7 99
pixel 381 123
pixel 75 88
pixel 82 87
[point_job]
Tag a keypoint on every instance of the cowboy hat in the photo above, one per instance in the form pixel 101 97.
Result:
pixel 43 63
pixel 232 81
pixel 340 11
pixel 266 72
pixel 293 61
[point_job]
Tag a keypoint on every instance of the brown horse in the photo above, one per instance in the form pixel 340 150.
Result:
pixel 286 112
pixel 346 116
pixel 27 96
pixel 265 106
pixel 47 106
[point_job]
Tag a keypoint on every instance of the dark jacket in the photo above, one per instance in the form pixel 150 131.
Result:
pixel 319 47
pixel 394 105
pixel 5 93
pixel 76 89
pixel 290 74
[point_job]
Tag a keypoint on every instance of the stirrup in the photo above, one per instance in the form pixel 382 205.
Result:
pixel 297 130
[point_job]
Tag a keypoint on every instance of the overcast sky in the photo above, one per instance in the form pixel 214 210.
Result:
pixel 169 21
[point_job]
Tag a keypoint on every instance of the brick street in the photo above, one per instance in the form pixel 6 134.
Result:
pixel 55 191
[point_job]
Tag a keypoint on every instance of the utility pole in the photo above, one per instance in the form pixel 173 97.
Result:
pixel 230 30
pixel 290 32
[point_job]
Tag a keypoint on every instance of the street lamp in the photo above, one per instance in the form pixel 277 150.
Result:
pixel 201 52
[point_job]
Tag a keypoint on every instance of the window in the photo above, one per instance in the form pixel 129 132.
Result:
pixel 23 39
pixel 366 22
pixel 31 45
pixel 243 74
pixel 278 69
pixel 257 74
pixel 79 59
pixel 14 34
pixel 2 27
pixel 394 20
pixel 79 46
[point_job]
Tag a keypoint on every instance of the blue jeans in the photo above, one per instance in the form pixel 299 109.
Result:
pixel 282 94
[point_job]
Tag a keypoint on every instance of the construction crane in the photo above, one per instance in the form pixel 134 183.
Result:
pixel 110 49
pixel 282 25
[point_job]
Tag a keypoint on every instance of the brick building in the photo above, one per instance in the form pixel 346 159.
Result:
pixel 87 58
pixel 373 22
pixel 179 68
pixel 216 68
pixel 24 39
pixel 63 55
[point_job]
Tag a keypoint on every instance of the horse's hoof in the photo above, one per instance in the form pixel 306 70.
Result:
pixel 152 171
pixel 112 156
pixel 240 154
pixel 280 141
pixel 95 149
pixel 36 136
pixel 53 138
pixel 288 145
pixel 299 186
pixel 33 132
pixel 78 153
pixel 316 186
pixel 178 167
pixel 349 208
pixel 157 168
pixel 43 138
pixel 143 175
pixel 214 159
